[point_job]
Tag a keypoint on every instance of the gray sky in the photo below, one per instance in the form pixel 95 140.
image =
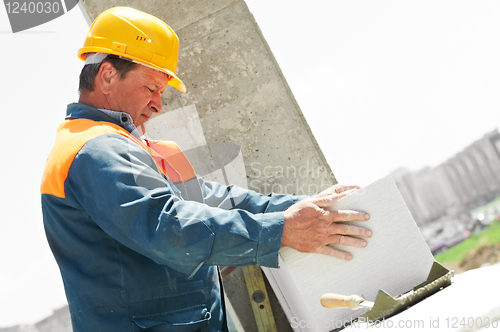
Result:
pixel 383 84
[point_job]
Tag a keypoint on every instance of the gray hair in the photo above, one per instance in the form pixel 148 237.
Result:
pixel 88 73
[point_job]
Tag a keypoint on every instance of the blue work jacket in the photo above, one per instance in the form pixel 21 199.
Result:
pixel 134 253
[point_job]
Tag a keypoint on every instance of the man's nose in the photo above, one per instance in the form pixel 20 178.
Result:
pixel 155 102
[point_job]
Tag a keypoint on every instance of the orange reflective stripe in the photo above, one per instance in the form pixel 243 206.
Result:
pixel 162 163
pixel 174 155
pixel 72 135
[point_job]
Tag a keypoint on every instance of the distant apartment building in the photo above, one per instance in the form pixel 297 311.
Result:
pixel 470 178
pixel 59 321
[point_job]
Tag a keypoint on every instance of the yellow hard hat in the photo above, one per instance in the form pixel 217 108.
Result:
pixel 137 36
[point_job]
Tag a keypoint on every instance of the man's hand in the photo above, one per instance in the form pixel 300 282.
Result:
pixel 309 227
pixel 337 189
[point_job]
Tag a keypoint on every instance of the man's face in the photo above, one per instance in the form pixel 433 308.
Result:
pixel 138 94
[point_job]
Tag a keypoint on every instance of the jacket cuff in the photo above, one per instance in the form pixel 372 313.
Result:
pixel 270 239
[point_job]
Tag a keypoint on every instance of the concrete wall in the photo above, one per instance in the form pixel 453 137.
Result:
pixel 239 92
pixel 237 96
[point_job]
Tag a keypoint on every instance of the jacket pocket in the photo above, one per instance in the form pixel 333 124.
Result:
pixel 186 320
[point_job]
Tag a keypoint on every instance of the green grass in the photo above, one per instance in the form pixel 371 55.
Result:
pixel 456 253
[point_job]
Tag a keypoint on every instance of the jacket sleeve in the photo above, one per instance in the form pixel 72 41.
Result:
pixel 117 184
pixel 228 197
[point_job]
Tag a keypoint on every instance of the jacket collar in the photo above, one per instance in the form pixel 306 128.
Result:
pixel 82 111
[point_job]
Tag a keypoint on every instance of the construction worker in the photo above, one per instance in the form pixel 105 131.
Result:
pixel 136 234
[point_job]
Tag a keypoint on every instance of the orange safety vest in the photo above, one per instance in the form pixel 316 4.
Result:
pixel 72 135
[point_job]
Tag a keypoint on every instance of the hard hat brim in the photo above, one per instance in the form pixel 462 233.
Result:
pixel 173 81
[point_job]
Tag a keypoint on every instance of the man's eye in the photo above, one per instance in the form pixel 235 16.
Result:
pixel 150 90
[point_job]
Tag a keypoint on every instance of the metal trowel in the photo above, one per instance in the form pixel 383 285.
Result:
pixel 385 305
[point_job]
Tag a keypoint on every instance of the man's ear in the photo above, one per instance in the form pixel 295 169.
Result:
pixel 107 76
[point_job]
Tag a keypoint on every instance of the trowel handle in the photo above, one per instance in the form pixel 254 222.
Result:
pixel 330 300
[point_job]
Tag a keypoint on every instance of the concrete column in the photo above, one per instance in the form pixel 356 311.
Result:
pixel 239 92
pixel 238 96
